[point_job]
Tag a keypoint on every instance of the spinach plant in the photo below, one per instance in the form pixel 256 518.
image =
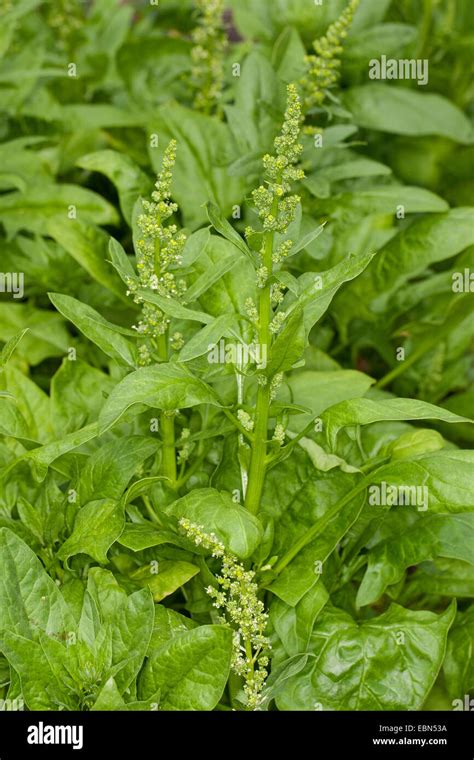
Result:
pixel 236 378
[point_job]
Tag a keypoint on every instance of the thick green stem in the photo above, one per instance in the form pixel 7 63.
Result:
pixel 167 423
pixel 258 460
pixel 259 451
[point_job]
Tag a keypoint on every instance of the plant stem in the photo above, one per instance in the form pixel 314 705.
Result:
pixel 258 460
pixel 167 422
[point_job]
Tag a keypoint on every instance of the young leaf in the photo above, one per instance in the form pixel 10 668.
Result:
pixel 190 670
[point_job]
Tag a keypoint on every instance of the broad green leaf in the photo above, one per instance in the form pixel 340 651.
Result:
pixel 139 536
pixel 405 112
pixel 434 471
pixel 29 210
pixel 89 246
pixel 202 341
pixel 166 387
pixel 424 242
pixel 109 337
pixel 365 411
pixel 305 570
pixel 96 527
pixel 416 442
pixel 77 394
pixel 47 335
pixel 216 512
pixel 288 345
pixel 458 666
pixel 294 624
pixel 127 177
pixel 169 576
pixel 386 663
pixel 168 624
pixel 190 670
pixel 317 289
pixel 30 601
pixel 385 200
pixel 431 536
pixel 443 577
pixel 130 620
pixel 221 225
pixel 40 686
pixel 109 469
pixel 173 308
pixel 320 390
pixel 45 455
pixel 250 117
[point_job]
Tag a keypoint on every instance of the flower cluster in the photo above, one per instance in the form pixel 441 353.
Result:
pixel 237 596
pixel 207 55
pixel 324 67
pixel 275 208
pixel 158 251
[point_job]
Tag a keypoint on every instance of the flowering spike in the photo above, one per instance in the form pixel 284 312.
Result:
pixel 324 67
pixel 207 55
pixel 159 249
pixel 236 595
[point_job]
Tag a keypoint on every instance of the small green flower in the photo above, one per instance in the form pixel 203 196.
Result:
pixel 245 420
pixel 207 55
pixel 237 597
pixel 159 250
pixel 324 67
pixel 275 207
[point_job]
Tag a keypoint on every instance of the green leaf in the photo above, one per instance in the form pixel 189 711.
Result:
pixel 304 571
pixel 364 411
pixel 9 347
pixel 30 601
pixel 425 242
pixel 109 469
pixel 47 335
pixel 294 624
pixel 216 512
pixel 89 246
pixel 29 210
pixel 387 663
pixel 434 471
pixel 166 387
pixel 432 536
pixel 202 341
pixel 458 665
pixel 220 224
pixel 109 337
pixel 174 308
pixel 316 290
pixel 129 620
pixel 168 624
pixel 385 200
pixel 190 670
pixel 405 112
pixel 127 177
pixel 288 345
pixel 319 390
pixel 96 527
pixel 170 575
